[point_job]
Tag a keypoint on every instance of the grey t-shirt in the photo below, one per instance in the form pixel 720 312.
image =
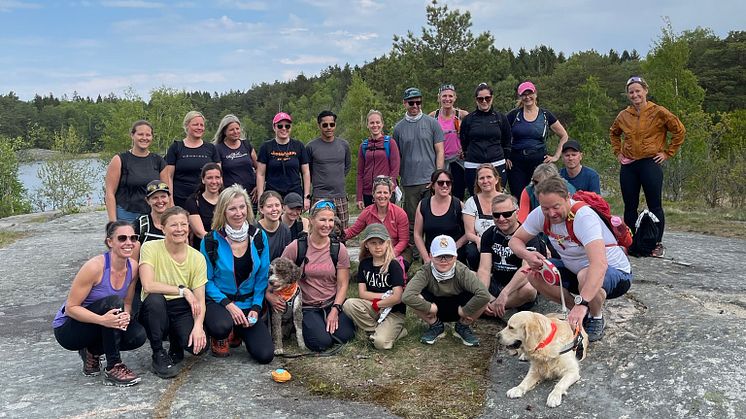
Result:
pixel 416 141
pixel 329 163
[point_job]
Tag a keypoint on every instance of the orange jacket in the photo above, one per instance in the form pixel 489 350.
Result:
pixel 645 134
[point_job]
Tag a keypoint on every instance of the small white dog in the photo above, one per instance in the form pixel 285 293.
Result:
pixel 283 281
pixel 552 349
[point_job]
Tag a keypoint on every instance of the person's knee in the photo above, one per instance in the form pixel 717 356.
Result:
pixel 382 343
pixel 219 327
pixel 264 354
pixel 317 342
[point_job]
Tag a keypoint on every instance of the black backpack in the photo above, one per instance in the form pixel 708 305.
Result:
pixel 646 234
pixel 211 245
pixel 300 258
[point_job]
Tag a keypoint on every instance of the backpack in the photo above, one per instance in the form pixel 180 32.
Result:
pixel 593 200
pixel 300 258
pixel 144 232
pixel 545 133
pixel 456 119
pixel 386 147
pixel 646 234
pixel 211 244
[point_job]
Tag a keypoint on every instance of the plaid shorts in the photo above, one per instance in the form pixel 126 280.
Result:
pixel 343 210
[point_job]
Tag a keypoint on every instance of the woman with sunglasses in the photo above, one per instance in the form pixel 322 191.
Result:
pixel 378 156
pixel 323 285
pixel 439 214
pixel 186 158
pixel 129 172
pixel 531 127
pixel 173 276
pixel 237 156
pixel 95 320
pixel 485 137
pixel 449 118
pixel 638 138
pixel 201 204
pixel 282 164
pixel 237 277
pixel 477 211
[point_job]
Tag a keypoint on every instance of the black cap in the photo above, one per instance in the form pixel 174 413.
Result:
pixel 571 144
pixel 293 200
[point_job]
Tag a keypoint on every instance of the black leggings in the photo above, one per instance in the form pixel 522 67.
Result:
pixel 172 318
pixel 314 329
pixel 459 181
pixel 648 174
pixel 523 168
pixel 75 335
pixel 219 323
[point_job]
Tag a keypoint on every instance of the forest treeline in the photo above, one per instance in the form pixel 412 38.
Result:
pixel 696 74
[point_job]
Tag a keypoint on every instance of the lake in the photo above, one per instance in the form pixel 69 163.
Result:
pixel 27 174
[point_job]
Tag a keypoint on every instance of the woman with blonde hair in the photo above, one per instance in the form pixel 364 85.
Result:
pixel 477 212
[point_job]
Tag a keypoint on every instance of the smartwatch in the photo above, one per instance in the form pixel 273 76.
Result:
pixel 580 301
pixel 181 290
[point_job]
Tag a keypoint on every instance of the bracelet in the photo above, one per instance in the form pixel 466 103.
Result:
pixel 338 307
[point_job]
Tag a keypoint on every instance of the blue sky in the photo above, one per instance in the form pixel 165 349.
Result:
pixel 102 46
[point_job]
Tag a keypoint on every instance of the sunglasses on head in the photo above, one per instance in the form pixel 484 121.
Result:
pixel 482 99
pixel 446 87
pixel 635 79
pixel 382 180
pixel 328 124
pixel 534 182
pixel 414 102
pixel 156 187
pixel 123 238
pixel 504 214
pixel 324 204
pixel 443 182
pixel 283 126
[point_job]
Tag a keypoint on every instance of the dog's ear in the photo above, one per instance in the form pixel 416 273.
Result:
pixel 534 330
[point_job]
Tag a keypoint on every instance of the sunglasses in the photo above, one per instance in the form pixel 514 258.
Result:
pixel 635 79
pixel 534 182
pixel 328 124
pixel 382 180
pixel 505 214
pixel 324 204
pixel 283 126
pixel 443 183
pixel 444 258
pixel 157 187
pixel 123 238
pixel 414 102
pixel 483 99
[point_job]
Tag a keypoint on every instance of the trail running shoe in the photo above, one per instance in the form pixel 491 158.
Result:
pixel 466 335
pixel 594 328
pixel 234 339
pixel 659 251
pixel 163 366
pixel 220 348
pixel 436 331
pixel 120 376
pixel 91 363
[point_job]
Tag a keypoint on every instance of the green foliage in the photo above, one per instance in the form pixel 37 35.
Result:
pixel 12 200
pixel 121 115
pixel 166 111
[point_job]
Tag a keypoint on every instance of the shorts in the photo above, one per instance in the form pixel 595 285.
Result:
pixel 616 282
pixel 447 305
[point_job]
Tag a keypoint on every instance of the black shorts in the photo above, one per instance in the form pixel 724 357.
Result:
pixel 447 305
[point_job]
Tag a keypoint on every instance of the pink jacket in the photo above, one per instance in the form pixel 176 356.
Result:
pixel 396 224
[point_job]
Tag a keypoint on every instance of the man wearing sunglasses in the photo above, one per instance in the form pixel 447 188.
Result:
pixel 500 268
pixel 330 162
pixel 420 140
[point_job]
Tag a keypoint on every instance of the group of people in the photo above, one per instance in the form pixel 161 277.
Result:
pixel 188 263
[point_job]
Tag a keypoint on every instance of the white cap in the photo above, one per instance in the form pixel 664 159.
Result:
pixel 442 245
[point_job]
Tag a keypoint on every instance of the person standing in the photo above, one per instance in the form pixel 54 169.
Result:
pixel 583 178
pixel 638 138
pixel 449 118
pixel 378 155
pixel 330 161
pixel 237 156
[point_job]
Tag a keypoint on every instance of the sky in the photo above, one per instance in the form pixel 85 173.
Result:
pixel 97 47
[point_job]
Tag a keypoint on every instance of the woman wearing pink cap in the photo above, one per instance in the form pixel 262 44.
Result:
pixel 282 165
pixel 531 126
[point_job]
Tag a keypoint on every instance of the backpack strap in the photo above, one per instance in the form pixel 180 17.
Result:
pixel 364 148
pixel 568 224
pixel 387 146
pixel 300 258
pixel 211 247
pixel 256 237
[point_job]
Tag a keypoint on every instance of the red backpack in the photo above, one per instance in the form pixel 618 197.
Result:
pixel 622 233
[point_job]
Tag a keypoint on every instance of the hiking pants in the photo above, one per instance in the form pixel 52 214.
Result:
pixel 219 323
pixel 648 174
pixel 315 335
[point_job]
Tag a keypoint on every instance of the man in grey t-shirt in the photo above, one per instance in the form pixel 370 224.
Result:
pixel 420 140
pixel 330 162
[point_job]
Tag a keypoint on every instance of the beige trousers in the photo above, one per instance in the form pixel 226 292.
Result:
pixel 384 334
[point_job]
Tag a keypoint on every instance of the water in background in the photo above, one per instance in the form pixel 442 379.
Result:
pixel 27 174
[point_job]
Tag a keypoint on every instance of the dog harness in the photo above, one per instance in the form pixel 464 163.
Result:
pixel 288 293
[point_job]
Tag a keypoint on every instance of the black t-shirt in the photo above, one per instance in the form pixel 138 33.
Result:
pixel 376 282
pixel 504 262
pixel 196 204
pixel 242 266
pixel 283 166
pixel 188 163
pixel 237 165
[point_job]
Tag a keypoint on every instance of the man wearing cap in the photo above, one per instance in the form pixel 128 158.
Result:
pixel 330 161
pixel 420 140
pixel 581 177
pixel 445 290
pixel 291 215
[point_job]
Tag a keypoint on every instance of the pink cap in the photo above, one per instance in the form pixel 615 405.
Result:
pixel 281 116
pixel 526 85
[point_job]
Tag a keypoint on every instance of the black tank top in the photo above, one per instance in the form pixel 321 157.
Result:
pixel 134 176
pixel 451 223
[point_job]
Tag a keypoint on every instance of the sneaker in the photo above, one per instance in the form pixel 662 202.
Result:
pixel 659 251
pixel 464 333
pixel 163 366
pixel 234 340
pixel 176 355
pixel 120 376
pixel 219 348
pixel 91 363
pixel 436 331
pixel 594 328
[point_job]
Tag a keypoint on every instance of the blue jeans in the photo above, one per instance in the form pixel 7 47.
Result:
pixel 616 282
pixel 124 215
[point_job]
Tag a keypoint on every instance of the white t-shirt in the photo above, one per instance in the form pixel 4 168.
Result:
pixel 480 224
pixel 588 227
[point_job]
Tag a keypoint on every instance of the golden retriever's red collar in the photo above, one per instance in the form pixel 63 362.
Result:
pixel 549 338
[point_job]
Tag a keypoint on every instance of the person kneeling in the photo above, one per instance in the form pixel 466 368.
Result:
pixel 380 282
pixel 445 290
pixel 595 268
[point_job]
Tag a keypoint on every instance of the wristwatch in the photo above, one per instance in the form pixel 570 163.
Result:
pixel 580 301
pixel 308 196
pixel 181 290
pixel 338 307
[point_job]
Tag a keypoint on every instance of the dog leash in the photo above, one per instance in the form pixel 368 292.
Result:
pixel 576 344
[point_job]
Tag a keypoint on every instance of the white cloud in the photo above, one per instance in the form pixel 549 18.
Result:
pixel 310 59
pixel 10 5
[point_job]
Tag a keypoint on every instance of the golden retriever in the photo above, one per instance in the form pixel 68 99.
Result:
pixel 529 333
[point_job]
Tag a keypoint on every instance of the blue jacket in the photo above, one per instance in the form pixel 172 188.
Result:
pixel 221 280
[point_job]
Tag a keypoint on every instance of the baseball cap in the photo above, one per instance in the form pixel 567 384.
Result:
pixel 293 200
pixel 375 231
pixel 571 144
pixel 411 93
pixel 280 117
pixel 156 186
pixel 443 245
pixel 526 85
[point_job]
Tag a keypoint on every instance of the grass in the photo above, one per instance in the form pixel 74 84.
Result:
pixel 8 237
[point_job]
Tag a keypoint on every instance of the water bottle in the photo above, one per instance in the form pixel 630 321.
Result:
pixel 620 229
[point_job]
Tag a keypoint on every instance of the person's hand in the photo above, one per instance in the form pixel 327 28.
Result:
pixel 332 320
pixel 252 195
pixel 253 315
pixel 508 164
pixel 360 205
pixel 433 310
pixel 237 315
pixel 660 157
pixel 197 339
pixel 192 300
pixel 498 305
pixel 306 204
pixel 115 319
pixel 576 315
pixel 535 260
pixel 550 159
pixel 489 311
pixel 277 303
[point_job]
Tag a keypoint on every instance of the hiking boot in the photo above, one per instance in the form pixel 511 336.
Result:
pixel 91 363
pixel 163 366
pixel 659 251
pixel 464 333
pixel 594 328
pixel 120 376
pixel 219 348
pixel 234 340
pixel 436 331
